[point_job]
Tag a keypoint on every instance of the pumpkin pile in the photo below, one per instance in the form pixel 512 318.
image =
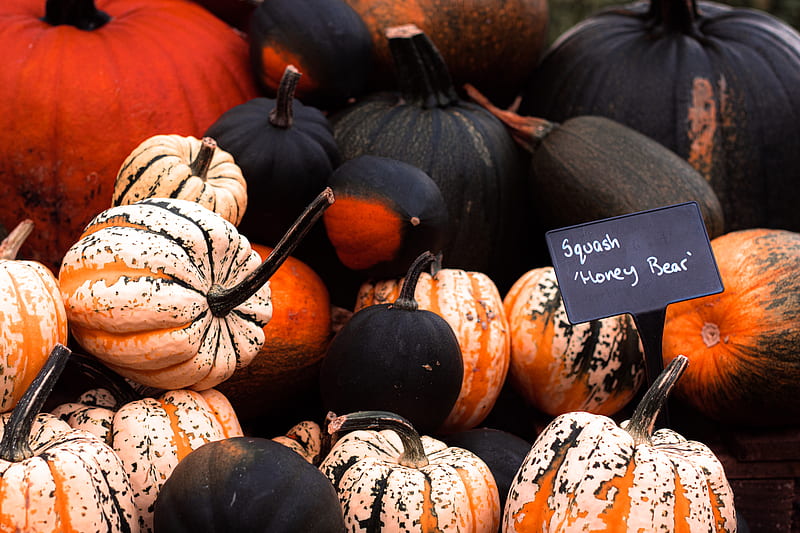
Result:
pixel 294 278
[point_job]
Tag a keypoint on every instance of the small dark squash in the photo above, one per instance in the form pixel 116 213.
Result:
pixel 324 39
pixel 247 484
pixel 387 212
pixel 395 357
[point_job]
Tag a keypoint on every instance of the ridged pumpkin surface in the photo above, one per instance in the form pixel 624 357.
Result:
pixel 472 306
pixel 135 287
pixel 743 343
pixel 594 366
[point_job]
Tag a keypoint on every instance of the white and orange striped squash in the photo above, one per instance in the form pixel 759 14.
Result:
pixel 586 473
pixel 391 479
pixel 152 435
pixel 595 366
pixel 305 438
pixel 32 317
pixel 471 304
pixel 174 166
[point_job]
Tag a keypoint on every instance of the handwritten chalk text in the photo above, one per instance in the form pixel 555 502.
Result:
pixel 581 250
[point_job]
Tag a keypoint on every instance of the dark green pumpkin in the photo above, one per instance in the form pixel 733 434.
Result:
pixel 589 168
pixel 324 39
pixel 247 484
pixel 395 357
pixel 718 85
pixel 387 212
pixel 462 147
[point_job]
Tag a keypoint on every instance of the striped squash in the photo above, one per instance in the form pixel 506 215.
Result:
pixel 174 166
pixel 169 294
pixel 56 479
pixel 595 366
pixel 305 438
pixel 471 304
pixel 32 317
pixel 390 479
pixel 152 435
pixel 586 473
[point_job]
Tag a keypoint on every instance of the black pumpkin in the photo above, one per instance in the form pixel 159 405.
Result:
pixel 589 168
pixel 719 86
pixel 325 39
pixel 463 148
pixel 387 212
pixel 247 484
pixel 395 357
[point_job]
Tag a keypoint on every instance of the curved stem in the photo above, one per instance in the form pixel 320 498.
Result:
pixel 10 246
pixel 413 454
pixel 122 391
pixel 81 14
pixel 282 115
pixel 405 300
pixel 222 301
pixel 643 419
pixel 15 444
pixel 674 16
pixel 202 161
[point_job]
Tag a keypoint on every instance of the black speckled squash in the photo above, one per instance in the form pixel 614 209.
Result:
pixel 387 212
pixel 324 39
pixel 720 86
pixel 590 167
pixel 247 484
pixel 462 147
pixel 395 357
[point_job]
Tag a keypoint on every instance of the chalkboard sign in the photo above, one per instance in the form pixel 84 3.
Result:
pixel 637 263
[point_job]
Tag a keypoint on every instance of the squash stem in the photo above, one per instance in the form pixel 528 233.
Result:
pixel 674 16
pixel 405 300
pixel 413 455
pixel 202 162
pixel 222 301
pixel 643 419
pixel 15 444
pixel 282 115
pixel 10 246
pixel 81 14
pixel 528 132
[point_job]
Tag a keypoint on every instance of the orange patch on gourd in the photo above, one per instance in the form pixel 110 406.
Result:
pixel 274 61
pixel 616 513
pixel 364 232
pixel 536 513
pixel 682 508
pixel 427 520
pixel 180 441
pixel 61 500
pixel 703 125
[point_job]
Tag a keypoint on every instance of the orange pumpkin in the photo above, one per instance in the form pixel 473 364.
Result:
pixel 296 337
pixel 82 85
pixel 32 317
pixel 743 342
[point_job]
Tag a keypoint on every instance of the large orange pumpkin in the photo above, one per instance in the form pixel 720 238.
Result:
pixel 80 90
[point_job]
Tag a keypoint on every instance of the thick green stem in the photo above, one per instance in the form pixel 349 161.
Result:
pixel 674 16
pixel 405 300
pixel 81 14
pixel 202 162
pixel 643 419
pixel 413 455
pixel 282 115
pixel 10 246
pixel 15 444
pixel 222 301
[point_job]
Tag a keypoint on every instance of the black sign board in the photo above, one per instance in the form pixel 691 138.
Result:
pixel 636 264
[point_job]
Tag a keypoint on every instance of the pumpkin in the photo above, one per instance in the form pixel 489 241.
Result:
pixel 389 478
pixel 395 357
pixel 174 166
pixel 305 438
pixel 471 304
pixel 32 317
pixel 468 152
pixel 586 473
pixel 590 168
pixel 387 213
pixel 54 478
pixel 324 39
pixel 716 84
pixel 169 294
pixel 100 78
pixel 152 436
pixel 283 378
pixel 596 366
pixel 742 342
pixel 491 43
pixel 247 484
